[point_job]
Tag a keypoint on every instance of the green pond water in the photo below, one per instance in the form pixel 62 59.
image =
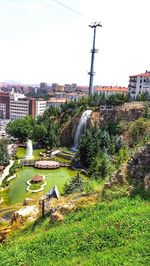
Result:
pixel 21 152
pixel 17 191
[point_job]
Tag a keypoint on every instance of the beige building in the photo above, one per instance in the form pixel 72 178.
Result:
pixel 40 107
pixel 20 106
pixel 56 102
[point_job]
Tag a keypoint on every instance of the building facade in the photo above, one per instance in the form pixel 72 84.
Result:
pixel 40 106
pixel 109 90
pixel 139 83
pixel 4 105
pixel 55 102
pixel 20 106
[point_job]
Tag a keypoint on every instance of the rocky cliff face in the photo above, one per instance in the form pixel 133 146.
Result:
pixel 127 112
pixel 103 116
pixel 69 129
pixel 136 171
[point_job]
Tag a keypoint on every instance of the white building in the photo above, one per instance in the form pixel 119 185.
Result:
pixel 40 107
pixel 139 83
pixel 20 106
pixel 109 90
pixel 55 102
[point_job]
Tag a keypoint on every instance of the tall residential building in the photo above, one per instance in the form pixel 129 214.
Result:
pixel 40 107
pixel 43 87
pixel 139 83
pixel 20 106
pixel 4 105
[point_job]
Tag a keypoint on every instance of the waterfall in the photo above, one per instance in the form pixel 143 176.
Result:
pixel 29 150
pixel 81 127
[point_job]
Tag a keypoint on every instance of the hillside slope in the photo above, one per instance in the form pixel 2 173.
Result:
pixel 110 233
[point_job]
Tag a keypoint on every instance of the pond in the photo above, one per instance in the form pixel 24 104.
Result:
pixel 17 191
pixel 21 152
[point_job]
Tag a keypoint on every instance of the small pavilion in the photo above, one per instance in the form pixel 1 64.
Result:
pixel 37 179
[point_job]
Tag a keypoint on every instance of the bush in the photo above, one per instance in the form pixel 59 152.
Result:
pixel 76 184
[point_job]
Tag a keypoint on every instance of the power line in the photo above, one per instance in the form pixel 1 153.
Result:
pixel 49 5
pixel 69 8
pixel 64 6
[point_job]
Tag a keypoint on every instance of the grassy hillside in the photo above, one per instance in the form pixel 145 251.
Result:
pixel 110 233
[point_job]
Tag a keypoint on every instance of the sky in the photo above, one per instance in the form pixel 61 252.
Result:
pixel 50 41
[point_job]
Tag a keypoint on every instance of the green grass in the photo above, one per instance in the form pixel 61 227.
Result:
pixel 112 233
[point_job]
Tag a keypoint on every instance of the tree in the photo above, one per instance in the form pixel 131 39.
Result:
pixel 4 156
pixel 20 128
pixel 123 155
pixel 76 184
pixel 100 167
pixel 39 133
pixel 138 129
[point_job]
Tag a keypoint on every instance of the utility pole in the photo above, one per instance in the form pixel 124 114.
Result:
pixel 93 51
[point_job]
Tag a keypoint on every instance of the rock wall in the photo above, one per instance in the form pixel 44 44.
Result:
pixel 127 112
pixel 69 129
pixel 102 116
pixel 136 171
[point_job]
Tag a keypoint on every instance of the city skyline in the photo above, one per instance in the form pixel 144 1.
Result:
pixel 50 41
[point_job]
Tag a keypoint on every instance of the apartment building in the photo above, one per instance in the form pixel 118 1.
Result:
pixel 40 106
pixel 139 83
pixel 4 105
pixel 20 106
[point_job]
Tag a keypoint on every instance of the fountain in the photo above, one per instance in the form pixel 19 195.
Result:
pixel 81 127
pixel 29 150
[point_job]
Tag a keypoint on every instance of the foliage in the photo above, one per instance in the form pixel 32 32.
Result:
pixel 4 156
pixel 122 156
pixel 102 99
pixel 76 184
pixel 21 128
pixel 109 233
pixel 146 111
pixel 12 171
pixel 96 141
pixel 139 129
pixel 14 168
pixel 144 96
pixel 39 133
pixel 100 167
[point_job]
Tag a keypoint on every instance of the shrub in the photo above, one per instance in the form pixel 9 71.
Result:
pixel 76 184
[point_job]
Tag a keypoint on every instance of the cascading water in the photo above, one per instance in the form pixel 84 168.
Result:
pixel 81 127
pixel 29 150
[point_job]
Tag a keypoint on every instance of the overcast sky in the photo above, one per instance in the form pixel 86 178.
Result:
pixel 44 40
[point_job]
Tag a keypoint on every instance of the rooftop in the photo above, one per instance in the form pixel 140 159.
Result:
pixel 146 74
pixel 111 88
pixel 37 178
pixel 57 100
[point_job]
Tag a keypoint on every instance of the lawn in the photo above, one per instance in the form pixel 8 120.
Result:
pixel 110 233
